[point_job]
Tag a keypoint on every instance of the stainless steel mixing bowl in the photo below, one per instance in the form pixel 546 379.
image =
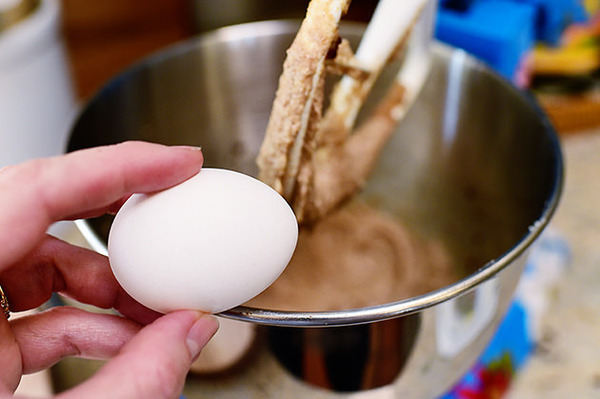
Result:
pixel 474 164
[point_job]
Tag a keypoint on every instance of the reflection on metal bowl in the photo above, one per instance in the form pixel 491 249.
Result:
pixel 474 165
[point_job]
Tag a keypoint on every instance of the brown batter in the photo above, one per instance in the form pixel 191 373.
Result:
pixel 357 257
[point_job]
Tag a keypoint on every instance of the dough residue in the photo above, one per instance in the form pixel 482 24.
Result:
pixel 357 257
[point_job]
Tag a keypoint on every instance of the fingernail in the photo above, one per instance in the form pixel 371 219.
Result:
pixel 200 333
pixel 188 148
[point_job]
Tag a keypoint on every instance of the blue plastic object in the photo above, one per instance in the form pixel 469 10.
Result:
pixel 499 32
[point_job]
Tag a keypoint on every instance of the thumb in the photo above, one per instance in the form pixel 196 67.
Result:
pixel 155 362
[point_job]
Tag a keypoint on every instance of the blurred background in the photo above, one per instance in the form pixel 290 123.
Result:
pixel 104 36
pixel 549 46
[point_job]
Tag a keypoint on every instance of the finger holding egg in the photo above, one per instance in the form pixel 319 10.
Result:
pixel 210 243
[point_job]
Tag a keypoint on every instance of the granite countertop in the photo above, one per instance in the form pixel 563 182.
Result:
pixel 566 363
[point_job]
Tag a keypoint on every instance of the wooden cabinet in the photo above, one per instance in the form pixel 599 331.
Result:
pixel 105 36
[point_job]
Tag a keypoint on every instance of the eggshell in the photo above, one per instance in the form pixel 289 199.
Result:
pixel 210 243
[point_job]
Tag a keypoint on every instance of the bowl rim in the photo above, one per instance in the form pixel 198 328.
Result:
pixel 389 310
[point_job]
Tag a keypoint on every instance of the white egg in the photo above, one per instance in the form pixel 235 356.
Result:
pixel 210 243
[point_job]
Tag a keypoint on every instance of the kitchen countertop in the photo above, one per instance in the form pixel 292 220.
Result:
pixel 566 362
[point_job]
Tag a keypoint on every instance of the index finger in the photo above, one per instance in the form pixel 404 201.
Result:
pixel 35 194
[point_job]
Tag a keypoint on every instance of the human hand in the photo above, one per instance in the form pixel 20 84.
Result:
pixel 148 362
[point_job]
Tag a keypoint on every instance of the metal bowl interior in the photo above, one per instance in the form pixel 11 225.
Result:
pixel 474 163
